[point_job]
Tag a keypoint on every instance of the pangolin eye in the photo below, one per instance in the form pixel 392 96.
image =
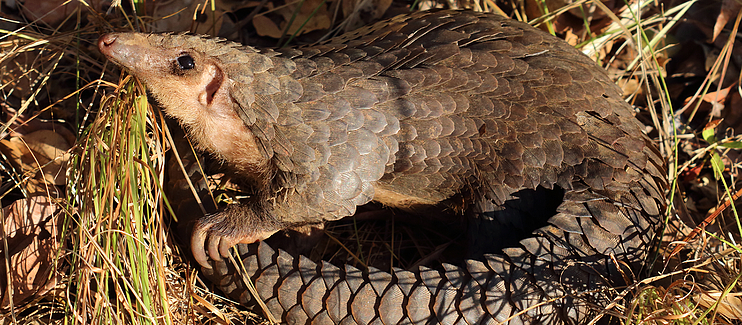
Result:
pixel 185 62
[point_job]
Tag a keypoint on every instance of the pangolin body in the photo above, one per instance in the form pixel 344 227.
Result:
pixel 410 112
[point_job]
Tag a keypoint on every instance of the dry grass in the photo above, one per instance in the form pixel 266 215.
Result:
pixel 120 264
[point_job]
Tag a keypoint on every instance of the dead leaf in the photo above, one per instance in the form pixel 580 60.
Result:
pixel 362 12
pixel 50 148
pixel 43 149
pixel 729 9
pixel 51 12
pixel 264 26
pixel 712 125
pixel 26 123
pixel 312 15
pixel 630 86
pixel 717 99
pixel 320 19
pixel 574 19
pixel 193 17
pixel 571 38
pixel 32 229
pixel 732 115
pixel 717 96
pixel 711 103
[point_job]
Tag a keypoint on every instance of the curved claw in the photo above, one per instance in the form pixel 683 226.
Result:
pixel 198 241
pixel 213 245
pixel 225 245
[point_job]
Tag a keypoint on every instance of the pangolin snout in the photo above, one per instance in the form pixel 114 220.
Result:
pixel 105 42
pixel 129 50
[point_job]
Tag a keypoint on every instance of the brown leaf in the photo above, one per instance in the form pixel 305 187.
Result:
pixel 717 96
pixel 27 123
pixel 32 229
pixel 33 151
pixel 180 16
pixel 54 12
pixel 264 26
pixel 359 13
pixel 51 12
pixel 574 19
pixel 320 19
pixel 717 99
pixel 729 9
pixel 51 147
pixel 732 115
pixel 711 125
pixel 312 15
pixel 712 102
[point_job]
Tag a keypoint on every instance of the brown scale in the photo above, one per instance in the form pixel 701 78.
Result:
pixel 410 112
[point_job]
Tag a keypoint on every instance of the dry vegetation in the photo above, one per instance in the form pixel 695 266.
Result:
pixel 85 156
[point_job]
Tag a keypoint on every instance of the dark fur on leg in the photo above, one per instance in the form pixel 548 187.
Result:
pixel 237 223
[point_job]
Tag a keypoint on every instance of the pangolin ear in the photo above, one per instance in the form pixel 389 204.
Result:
pixel 212 81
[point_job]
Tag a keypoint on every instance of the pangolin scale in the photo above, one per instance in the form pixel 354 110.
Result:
pixel 410 112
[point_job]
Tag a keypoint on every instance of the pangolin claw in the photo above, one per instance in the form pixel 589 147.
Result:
pixel 198 243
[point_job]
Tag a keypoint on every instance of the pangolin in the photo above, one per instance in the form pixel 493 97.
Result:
pixel 411 112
